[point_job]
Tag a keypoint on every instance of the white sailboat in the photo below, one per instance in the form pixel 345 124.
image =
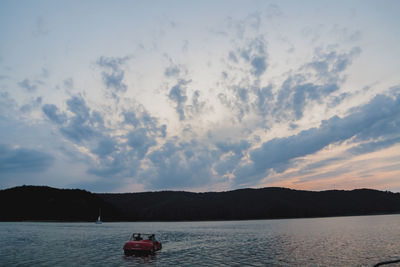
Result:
pixel 99 218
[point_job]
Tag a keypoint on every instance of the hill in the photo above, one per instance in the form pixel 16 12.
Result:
pixel 45 203
pixel 42 203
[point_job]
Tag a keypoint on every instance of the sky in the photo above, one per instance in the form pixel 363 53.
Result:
pixel 132 96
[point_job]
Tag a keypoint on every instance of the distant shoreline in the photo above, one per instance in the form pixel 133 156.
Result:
pixel 46 204
pixel 269 219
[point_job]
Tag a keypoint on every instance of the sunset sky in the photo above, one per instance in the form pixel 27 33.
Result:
pixel 128 96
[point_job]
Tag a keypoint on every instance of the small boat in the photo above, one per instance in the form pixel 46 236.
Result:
pixel 99 218
pixel 138 245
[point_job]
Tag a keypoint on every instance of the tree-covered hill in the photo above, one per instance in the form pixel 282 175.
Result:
pixel 51 204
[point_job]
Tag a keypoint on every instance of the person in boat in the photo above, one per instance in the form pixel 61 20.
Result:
pixel 138 237
pixel 152 238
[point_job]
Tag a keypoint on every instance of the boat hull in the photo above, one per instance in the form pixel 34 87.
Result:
pixel 141 247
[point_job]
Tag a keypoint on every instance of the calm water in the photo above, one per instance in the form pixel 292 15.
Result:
pixel 340 241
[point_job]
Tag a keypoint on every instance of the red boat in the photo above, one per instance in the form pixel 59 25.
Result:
pixel 137 244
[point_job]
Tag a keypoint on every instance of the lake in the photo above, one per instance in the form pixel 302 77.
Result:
pixel 335 241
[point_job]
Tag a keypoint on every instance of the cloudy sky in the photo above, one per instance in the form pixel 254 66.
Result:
pixel 127 96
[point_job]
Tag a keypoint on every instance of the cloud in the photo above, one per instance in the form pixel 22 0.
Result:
pixel 116 151
pixel 328 65
pixel 51 111
pixel 172 71
pixel 254 53
pixel 80 126
pixel 321 78
pixel 83 123
pixel 114 76
pixel 78 106
pixel 263 100
pixel 177 94
pixel 311 83
pixel 77 131
pixel 373 146
pixel 140 141
pixel 232 155
pixel 259 65
pixel 140 118
pixel 197 105
pixel 35 103
pixel 379 119
pixel 180 165
pixel 28 85
pixel 119 158
pixel 105 147
pixel 15 160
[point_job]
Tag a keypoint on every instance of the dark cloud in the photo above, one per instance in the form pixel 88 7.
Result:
pixel 35 103
pixel 140 141
pixel 373 146
pixel 379 119
pixel 321 163
pixel 295 95
pixel 338 99
pixel 131 118
pixel 196 103
pixel 263 100
pixel 118 165
pixel 259 65
pixel 121 159
pixel 172 71
pixel 105 147
pixel 114 76
pixel 52 112
pixel 253 53
pixel 77 131
pixel 177 94
pixel 180 165
pixel 140 118
pixel 246 82
pixel 14 160
pixel 233 154
pixel 82 125
pixel 28 85
pixel 196 107
pixel 256 55
pixel 321 78
pixel 78 106
pixel 328 65
pixel 117 157
pixel 243 94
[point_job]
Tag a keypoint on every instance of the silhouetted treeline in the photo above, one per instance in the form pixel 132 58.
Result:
pixel 45 203
pixel 252 204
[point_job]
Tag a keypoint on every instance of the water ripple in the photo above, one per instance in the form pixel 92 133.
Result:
pixel 342 241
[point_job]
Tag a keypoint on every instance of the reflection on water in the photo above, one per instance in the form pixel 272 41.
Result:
pixel 340 241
